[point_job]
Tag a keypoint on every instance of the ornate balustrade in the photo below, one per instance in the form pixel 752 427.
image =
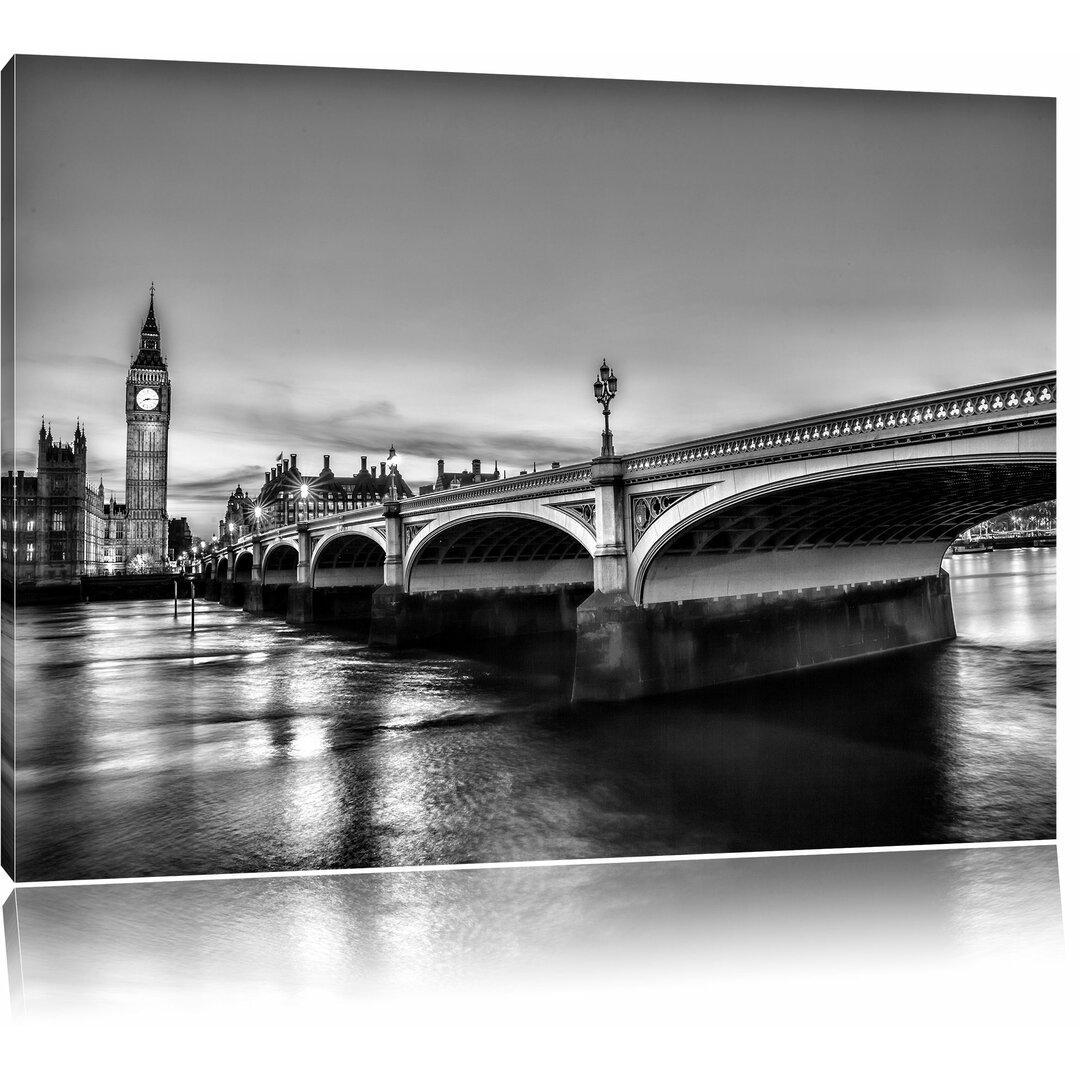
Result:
pixel 970 407
pixel 958 412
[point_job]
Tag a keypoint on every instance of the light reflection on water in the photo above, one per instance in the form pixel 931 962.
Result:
pixel 252 745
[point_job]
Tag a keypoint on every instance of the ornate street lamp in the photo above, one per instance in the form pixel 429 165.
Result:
pixel 605 388
pixel 391 464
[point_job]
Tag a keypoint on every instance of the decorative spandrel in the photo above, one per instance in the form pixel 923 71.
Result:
pixel 411 531
pixel 585 512
pixel 646 509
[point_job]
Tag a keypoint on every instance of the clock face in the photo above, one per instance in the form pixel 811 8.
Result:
pixel 147 398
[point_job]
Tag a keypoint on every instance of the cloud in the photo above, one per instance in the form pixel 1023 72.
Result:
pixel 208 487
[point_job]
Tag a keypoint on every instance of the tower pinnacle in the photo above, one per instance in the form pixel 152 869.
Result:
pixel 150 337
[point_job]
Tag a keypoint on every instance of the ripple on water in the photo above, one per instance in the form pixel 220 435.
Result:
pixel 253 745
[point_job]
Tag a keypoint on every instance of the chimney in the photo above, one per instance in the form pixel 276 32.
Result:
pixel 326 462
pixel 442 465
pixel 476 467
pixel 268 476
pixel 292 461
pixel 363 462
pixel 382 468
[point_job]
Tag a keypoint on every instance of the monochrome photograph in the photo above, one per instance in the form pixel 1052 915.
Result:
pixel 425 469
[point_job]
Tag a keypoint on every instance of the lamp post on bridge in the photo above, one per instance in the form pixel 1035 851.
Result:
pixel 612 632
pixel 605 388
pixel 391 465
pixel 388 608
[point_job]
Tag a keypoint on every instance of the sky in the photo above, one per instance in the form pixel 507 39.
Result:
pixel 348 258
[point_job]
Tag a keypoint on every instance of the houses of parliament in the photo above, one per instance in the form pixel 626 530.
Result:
pixel 57 526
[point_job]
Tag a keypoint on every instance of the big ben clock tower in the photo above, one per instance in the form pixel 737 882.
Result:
pixel 148 403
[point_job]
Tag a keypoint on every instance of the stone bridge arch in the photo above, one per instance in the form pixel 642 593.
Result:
pixel 279 563
pixel 242 569
pixel 348 557
pixel 492 549
pixel 829 522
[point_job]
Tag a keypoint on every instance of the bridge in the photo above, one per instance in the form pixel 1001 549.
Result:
pixel 763 550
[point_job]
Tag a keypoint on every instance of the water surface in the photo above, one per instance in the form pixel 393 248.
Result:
pixel 251 745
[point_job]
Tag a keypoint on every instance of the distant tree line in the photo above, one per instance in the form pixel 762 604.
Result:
pixel 1040 516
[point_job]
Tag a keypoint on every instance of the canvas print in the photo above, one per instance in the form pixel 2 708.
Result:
pixel 425 469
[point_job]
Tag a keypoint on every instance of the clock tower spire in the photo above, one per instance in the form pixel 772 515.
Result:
pixel 148 401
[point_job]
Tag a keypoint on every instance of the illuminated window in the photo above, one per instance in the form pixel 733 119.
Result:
pixel 58 521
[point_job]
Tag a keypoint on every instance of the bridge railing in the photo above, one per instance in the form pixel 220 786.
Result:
pixel 971 406
pixel 968 406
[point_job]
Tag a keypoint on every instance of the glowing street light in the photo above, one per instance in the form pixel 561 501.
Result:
pixel 605 388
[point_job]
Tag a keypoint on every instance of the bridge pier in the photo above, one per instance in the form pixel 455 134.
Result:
pixel 253 598
pixel 301 604
pixel 612 652
pixel 463 616
pixel 389 612
pixel 389 617
pixel 232 594
pixel 625 651
pixel 613 657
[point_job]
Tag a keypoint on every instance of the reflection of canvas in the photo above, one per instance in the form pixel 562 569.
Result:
pixel 481 631
pixel 608 928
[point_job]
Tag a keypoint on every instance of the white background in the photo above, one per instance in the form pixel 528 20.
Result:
pixel 918 1025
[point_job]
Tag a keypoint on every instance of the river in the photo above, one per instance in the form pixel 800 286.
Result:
pixel 143 749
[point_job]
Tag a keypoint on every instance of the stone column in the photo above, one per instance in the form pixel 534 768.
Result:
pixel 253 602
pixel 228 586
pixel 609 560
pixel 388 602
pixel 303 565
pixel 394 566
pixel 301 607
pixel 611 632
